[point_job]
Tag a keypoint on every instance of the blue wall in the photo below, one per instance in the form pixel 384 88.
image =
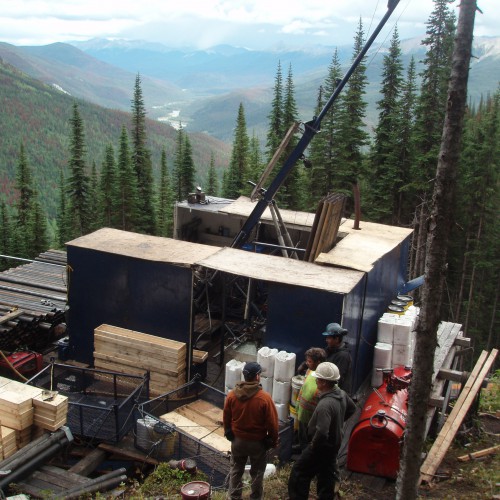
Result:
pixel 146 296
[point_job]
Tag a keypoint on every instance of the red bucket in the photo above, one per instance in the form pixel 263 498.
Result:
pixel 195 490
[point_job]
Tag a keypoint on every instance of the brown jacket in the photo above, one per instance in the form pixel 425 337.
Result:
pixel 250 413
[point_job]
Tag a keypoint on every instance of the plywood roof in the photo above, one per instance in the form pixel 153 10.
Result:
pixel 281 270
pixel 361 248
pixel 243 206
pixel 141 246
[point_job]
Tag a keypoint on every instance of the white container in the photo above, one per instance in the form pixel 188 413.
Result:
pixel 385 330
pixel 265 358
pixel 297 383
pixel 233 372
pixel 284 366
pixel 402 332
pixel 400 355
pixel 377 377
pixel 282 410
pixel 281 391
pixel 382 356
pixel 267 384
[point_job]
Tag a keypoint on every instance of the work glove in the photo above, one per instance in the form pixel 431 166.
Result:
pixel 229 434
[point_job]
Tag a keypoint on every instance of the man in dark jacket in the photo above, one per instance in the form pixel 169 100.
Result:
pixel 325 433
pixel 337 352
pixel 251 424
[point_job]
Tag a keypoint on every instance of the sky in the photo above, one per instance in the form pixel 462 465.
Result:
pixel 255 24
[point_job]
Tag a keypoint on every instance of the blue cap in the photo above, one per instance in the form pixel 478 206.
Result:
pixel 334 330
pixel 251 369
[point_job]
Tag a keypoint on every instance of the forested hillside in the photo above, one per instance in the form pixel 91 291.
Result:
pixel 38 115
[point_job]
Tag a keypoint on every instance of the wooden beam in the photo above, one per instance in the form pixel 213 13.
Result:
pixel 89 463
pixel 457 415
pixel 479 454
pixel 462 341
pixel 11 315
pixel 130 454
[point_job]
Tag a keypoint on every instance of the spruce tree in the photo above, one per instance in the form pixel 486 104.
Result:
pixel 108 189
pixel 37 225
pixel 430 114
pixel 236 181
pixel 352 136
pixel 78 182
pixel 94 204
pixel 165 200
pixel 63 228
pixel 255 165
pixel 384 173
pixel 127 203
pixel 275 117
pixel 291 193
pixel 5 236
pixel 24 205
pixel 212 179
pixel 188 170
pixel 177 171
pixel 141 159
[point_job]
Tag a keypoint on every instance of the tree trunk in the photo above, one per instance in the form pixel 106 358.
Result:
pixel 440 221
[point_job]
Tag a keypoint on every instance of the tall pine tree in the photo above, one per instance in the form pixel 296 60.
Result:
pixel 212 188
pixel 165 199
pixel 141 159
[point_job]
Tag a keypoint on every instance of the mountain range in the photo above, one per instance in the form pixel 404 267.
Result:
pixel 202 89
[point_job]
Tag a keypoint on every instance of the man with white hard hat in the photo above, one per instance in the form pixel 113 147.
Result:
pixel 325 433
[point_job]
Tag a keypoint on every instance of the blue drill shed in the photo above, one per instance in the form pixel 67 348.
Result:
pixel 145 283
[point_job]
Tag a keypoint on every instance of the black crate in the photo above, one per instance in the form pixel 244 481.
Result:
pixel 174 443
pixel 101 404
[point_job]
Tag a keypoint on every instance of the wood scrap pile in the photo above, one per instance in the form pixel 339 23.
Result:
pixel 457 415
pixel 25 412
pixel 127 351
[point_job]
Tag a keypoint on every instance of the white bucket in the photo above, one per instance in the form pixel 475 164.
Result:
pixel 267 384
pixel 297 382
pixel 282 410
pixel 385 330
pixel 281 391
pixel 284 366
pixel 382 357
pixel 265 358
pixel 402 332
pixel 233 372
pixel 400 355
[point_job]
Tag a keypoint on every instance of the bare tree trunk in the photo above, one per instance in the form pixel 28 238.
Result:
pixel 440 221
pixel 489 343
pixel 462 280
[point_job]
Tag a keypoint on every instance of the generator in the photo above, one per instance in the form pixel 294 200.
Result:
pixel 27 363
pixel 376 439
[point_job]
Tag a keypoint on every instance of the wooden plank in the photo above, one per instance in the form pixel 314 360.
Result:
pixel 165 367
pixel 455 419
pixel 199 356
pixel 11 315
pixel 89 463
pixel 130 454
pixel 479 454
pixel 129 350
pixel 201 419
pixel 145 338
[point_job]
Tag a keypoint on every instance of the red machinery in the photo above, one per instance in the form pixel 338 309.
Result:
pixel 27 363
pixel 375 442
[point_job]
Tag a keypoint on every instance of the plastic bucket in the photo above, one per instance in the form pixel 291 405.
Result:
pixel 195 489
pixel 297 383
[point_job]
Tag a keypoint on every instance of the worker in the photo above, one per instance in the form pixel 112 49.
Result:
pixel 337 352
pixel 308 394
pixel 251 424
pixel 325 433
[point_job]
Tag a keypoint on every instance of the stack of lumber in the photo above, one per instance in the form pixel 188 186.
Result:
pixel 8 445
pixel 24 409
pixel 50 413
pixel 325 226
pixel 202 421
pixel 127 351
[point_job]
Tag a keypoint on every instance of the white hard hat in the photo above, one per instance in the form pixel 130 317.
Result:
pixel 327 371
